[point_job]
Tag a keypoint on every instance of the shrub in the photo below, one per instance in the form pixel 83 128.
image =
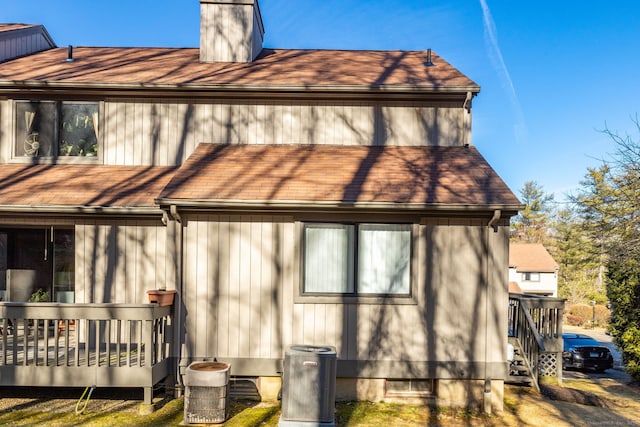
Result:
pixel 582 311
pixel 582 314
pixel 603 315
pixel 574 320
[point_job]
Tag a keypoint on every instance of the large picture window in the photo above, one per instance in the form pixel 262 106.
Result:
pixel 56 129
pixel 357 259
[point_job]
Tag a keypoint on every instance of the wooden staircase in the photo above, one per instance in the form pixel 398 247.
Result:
pixel 535 334
pixel 519 369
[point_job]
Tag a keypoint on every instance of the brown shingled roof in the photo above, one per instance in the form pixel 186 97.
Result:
pixel 532 257
pixel 514 288
pixel 307 174
pixel 81 185
pixel 300 68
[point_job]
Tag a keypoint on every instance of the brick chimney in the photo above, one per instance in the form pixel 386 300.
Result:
pixel 230 30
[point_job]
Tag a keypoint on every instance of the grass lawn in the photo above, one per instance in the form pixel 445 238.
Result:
pixel 242 414
pixel 603 402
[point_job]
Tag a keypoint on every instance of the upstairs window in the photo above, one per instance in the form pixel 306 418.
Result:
pixel 357 259
pixel 46 129
pixel 531 277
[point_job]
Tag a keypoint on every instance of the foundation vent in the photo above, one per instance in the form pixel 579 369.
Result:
pixel 409 388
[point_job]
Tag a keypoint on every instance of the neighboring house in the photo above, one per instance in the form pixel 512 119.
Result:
pixel 313 197
pixel 532 270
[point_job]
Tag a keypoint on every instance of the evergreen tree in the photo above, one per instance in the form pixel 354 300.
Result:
pixel 609 206
pixel 531 225
pixel 597 206
pixel 623 290
pixel 578 268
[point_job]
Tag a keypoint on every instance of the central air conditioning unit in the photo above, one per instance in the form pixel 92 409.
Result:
pixel 309 387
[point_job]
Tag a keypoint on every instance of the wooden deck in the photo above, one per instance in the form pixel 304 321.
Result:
pixel 79 345
pixel 536 325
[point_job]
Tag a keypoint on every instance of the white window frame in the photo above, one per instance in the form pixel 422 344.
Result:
pixel 56 157
pixel 530 276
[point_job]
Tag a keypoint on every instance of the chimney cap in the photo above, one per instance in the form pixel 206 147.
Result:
pixel 428 62
pixel 69 54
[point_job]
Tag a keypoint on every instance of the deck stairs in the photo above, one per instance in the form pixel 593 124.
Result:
pixel 519 369
pixel 535 336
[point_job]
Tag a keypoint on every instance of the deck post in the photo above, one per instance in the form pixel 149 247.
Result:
pixel 148 395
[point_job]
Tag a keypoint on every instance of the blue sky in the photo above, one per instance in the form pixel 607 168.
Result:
pixel 552 73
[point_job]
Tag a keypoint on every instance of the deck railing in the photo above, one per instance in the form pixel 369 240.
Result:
pixel 536 323
pixel 74 345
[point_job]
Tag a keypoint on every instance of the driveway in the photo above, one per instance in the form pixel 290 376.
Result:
pixel 617 373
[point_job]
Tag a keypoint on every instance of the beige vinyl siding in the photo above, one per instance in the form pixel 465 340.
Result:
pixel 147 134
pixel 233 278
pixel 229 33
pixel 166 134
pixel 451 318
pixel 6 130
pixel 118 261
pixel 241 273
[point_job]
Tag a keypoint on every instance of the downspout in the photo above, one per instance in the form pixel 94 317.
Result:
pixel 487 380
pixel 173 220
pixel 179 328
pixel 173 209
pixel 494 219
pixel 467 119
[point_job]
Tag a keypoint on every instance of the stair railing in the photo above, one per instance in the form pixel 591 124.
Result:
pixel 536 323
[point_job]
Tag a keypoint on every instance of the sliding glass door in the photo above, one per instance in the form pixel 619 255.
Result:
pixel 37 264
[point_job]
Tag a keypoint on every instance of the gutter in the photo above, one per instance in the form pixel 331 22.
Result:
pixel 307 205
pixel 312 93
pixel 80 210
pixel 231 87
pixel 294 206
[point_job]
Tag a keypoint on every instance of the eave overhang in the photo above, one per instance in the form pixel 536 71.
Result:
pixel 66 210
pixel 295 206
pixel 13 89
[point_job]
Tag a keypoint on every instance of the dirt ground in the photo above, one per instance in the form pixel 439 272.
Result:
pixel 584 399
pixel 584 402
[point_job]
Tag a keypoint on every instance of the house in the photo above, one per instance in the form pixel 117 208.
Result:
pixel 532 269
pixel 315 197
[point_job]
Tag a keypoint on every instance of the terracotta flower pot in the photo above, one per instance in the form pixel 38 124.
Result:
pixel 161 297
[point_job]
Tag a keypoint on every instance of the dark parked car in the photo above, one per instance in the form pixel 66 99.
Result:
pixel 583 352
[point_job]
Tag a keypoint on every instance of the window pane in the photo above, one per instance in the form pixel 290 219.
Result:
pixel 35 128
pixel 328 258
pixel 78 130
pixel 384 256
